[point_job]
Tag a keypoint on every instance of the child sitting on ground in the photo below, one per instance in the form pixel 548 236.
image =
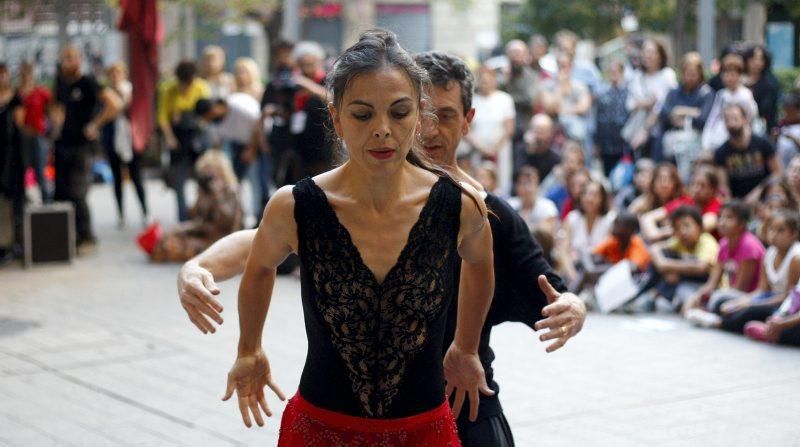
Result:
pixel 622 244
pixel 682 263
pixel 781 268
pixel 737 270
pixel 783 326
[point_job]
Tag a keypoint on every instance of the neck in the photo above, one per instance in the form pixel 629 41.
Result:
pixel 742 141
pixel 376 192
pixel 734 239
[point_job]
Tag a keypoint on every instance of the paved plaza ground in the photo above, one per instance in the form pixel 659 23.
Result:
pixel 99 352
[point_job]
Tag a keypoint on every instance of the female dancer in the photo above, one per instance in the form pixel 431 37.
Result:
pixel 377 238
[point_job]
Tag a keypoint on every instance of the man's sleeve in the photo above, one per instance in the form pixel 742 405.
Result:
pixel 521 299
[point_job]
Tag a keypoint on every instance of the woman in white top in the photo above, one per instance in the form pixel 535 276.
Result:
pixel 585 226
pixel 715 133
pixel 781 268
pixel 492 128
pixel 649 89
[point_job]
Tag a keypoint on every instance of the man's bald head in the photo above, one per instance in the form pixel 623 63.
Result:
pixel 516 52
pixel 70 61
pixel 541 130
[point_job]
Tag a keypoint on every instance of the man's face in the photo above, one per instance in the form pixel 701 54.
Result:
pixel 70 62
pixel 309 65
pixel 734 121
pixel 441 137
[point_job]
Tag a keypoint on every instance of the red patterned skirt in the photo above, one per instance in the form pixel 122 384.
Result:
pixel 304 425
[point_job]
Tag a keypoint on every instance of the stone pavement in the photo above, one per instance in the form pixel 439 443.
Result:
pixel 99 353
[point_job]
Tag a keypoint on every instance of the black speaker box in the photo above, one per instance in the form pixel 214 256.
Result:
pixel 49 232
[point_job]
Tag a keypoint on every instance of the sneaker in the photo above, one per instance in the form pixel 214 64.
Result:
pixel 701 318
pixel 756 330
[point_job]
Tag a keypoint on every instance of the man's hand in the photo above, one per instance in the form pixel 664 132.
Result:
pixel 91 132
pixel 196 289
pixel 564 316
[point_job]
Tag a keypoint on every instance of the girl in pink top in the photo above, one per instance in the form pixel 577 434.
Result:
pixel 737 271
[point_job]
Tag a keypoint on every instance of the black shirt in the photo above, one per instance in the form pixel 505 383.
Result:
pixel 12 164
pixel 81 99
pixel 766 92
pixel 518 262
pixel 544 162
pixel 746 167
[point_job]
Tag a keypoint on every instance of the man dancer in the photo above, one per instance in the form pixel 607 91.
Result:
pixel 77 126
pixel 524 282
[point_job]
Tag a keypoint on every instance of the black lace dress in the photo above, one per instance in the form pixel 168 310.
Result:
pixel 375 349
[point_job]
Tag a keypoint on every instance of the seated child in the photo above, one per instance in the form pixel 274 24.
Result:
pixel 736 272
pixel 622 244
pixel 781 268
pixel 682 263
pixel 782 327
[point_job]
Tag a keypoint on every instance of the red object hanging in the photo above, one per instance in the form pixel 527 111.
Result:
pixel 141 20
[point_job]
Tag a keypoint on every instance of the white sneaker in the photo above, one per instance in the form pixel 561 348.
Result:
pixel 701 318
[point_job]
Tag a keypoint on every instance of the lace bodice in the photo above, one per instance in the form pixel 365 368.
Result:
pixel 375 349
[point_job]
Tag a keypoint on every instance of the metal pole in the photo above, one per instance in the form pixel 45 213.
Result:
pixel 706 29
pixel 291 20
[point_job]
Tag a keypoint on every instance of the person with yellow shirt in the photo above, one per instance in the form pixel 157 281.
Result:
pixel 180 127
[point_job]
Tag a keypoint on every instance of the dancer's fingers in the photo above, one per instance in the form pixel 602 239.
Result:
pixel 199 320
pixel 253 404
pixel 551 293
pixel 274 387
pixel 229 389
pixel 459 402
pixel 474 402
pixel 245 410
pixel 262 402
pixel 448 389
pixel 557 345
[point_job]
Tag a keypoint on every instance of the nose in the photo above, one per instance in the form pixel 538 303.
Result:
pixel 382 129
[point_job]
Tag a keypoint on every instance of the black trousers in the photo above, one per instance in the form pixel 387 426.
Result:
pixel 493 431
pixel 735 322
pixel 73 177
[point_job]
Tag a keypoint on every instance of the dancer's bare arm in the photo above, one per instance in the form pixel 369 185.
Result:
pixel 463 370
pixel 197 278
pixel 275 239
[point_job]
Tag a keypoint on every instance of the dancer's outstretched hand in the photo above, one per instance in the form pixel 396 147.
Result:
pixel 248 377
pixel 464 375
pixel 564 315
pixel 196 288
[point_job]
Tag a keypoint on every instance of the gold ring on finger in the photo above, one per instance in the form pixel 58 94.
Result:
pixel 563 331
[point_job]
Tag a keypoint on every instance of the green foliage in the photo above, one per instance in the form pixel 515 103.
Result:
pixel 596 19
pixel 787 77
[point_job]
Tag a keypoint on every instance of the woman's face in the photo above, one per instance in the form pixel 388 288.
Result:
pixel 576 184
pixel 592 199
pixel 664 185
pixel 378 124
pixel 650 57
pixel 757 62
pixel 527 187
pixel 700 189
pixel 780 235
pixel 116 75
pixel 242 75
pixel 691 76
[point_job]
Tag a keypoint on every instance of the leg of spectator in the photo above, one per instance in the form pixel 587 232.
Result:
pixel 790 336
pixel 735 322
pixel 116 169
pixel 135 171
pixel 81 177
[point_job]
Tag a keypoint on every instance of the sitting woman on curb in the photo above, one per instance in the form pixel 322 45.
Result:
pixel 216 213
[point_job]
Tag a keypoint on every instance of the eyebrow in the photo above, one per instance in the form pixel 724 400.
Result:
pixel 364 103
